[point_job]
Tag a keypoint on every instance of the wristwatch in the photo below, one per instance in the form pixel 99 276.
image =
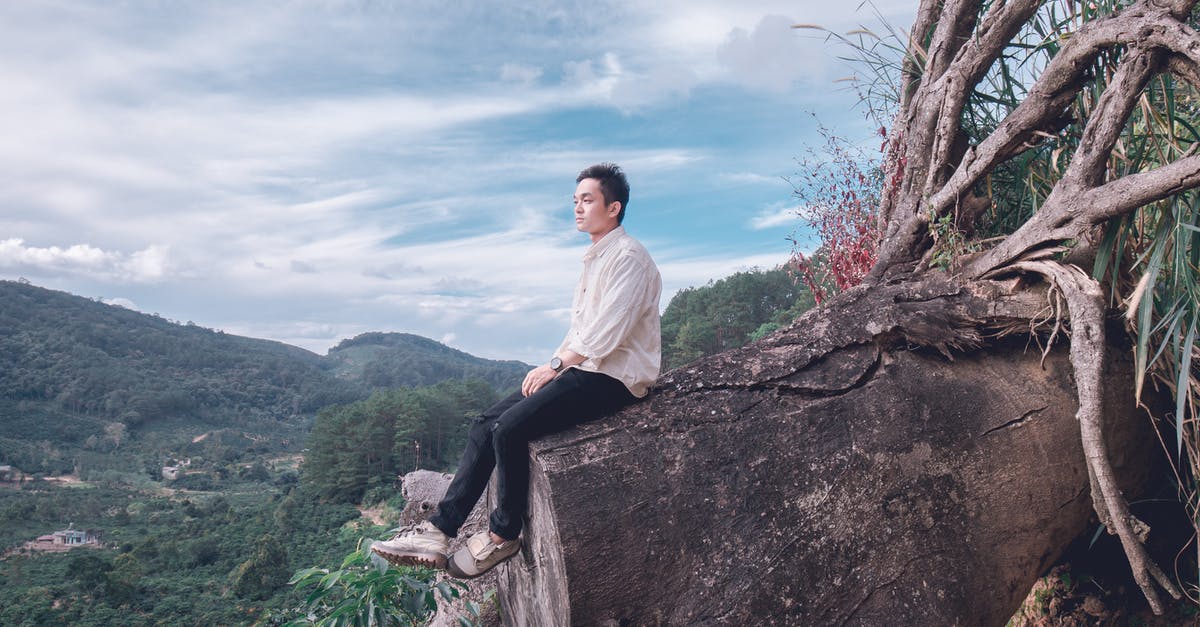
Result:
pixel 556 364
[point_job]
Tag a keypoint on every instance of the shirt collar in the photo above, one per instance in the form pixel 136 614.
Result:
pixel 598 248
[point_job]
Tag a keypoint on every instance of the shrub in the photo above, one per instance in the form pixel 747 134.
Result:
pixel 365 590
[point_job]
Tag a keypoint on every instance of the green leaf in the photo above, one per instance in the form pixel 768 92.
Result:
pixel 1181 386
pixel 1145 323
pixel 1104 253
pixel 333 578
pixel 447 591
pixel 317 594
pixel 306 577
pixel 381 565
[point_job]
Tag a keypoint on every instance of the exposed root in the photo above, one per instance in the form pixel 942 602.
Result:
pixel 1085 304
pixel 1057 308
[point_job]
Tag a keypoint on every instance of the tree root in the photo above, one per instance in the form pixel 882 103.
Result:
pixel 1085 305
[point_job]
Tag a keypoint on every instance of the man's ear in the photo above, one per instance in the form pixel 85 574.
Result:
pixel 614 208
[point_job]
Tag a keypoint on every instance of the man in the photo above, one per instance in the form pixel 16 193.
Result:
pixel 609 358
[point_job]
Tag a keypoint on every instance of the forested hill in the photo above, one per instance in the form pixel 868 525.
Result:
pixel 392 360
pixel 80 379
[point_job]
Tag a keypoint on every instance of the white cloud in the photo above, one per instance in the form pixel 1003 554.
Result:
pixel 300 267
pixel 776 216
pixel 770 57
pixel 147 265
pixel 121 302
pixel 309 171
pixel 454 285
pixel 750 178
pixel 749 44
pixel 317 337
pixel 520 73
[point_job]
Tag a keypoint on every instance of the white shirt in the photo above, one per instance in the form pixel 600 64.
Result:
pixel 614 317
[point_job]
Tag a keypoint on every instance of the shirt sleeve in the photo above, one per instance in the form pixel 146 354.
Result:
pixel 627 285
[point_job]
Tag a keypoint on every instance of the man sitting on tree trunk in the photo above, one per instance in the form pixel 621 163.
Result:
pixel 609 358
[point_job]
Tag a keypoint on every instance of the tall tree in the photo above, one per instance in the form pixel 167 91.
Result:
pixel 364 444
pixel 726 314
pixel 1107 55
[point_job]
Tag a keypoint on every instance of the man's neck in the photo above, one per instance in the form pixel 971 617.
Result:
pixel 599 235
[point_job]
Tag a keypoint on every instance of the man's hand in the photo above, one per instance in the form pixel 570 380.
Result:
pixel 537 378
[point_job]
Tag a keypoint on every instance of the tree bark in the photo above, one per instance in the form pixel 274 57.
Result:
pixel 842 471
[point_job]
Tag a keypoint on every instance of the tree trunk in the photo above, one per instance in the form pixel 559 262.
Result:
pixel 868 465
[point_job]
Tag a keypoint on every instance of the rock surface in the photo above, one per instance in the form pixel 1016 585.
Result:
pixel 422 489
pixel 841 472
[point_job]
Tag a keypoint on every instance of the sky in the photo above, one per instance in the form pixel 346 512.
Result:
pixel 309 171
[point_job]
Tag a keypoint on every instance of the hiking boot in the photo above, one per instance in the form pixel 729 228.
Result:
pixel 419 545
pixel 480 555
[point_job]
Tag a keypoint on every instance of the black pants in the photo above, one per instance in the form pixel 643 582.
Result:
pixel 500 439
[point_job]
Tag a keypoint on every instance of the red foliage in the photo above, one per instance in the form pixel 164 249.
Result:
pixel 841 194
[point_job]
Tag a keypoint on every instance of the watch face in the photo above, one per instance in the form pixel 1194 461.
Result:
pixel 556 364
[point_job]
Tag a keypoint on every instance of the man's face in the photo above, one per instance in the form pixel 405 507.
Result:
pixel 592 215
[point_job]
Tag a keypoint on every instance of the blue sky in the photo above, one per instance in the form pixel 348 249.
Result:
pixel 309 171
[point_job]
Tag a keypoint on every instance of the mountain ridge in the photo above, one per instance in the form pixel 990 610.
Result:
pixel 80 379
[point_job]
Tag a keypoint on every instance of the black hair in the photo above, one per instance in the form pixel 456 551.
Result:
pixel 612 184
